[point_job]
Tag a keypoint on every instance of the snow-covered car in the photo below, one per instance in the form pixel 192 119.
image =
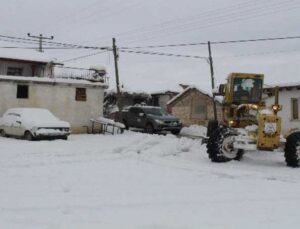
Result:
pixel 33 123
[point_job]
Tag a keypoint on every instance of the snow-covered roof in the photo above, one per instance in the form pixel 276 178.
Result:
pixel 52 80
pixel 27 55
pixel 127 91
pixel 283 85
pixel 191 87
pixel 162 92
pixel 98 68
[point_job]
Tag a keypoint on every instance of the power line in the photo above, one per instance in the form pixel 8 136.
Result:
pixel 258 53
pixel 85 56
pixel 34 48
pixel 162 54
pixel 51 43
pixel 216 42
pixel 40 38
pixel 144 29
pixel 221 19
pixel 93 15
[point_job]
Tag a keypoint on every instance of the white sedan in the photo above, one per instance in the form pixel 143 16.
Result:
pixel 33 123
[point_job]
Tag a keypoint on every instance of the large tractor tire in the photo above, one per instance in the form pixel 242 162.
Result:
pixel 211 127
pixel 292 150
pixel 220 146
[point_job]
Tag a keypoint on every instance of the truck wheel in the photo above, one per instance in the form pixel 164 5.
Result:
pixel 2 133
pixel 28 136
pixel 220 146
pixel 125 124
pixel 149 129
pixel 292 150
pixel 175 132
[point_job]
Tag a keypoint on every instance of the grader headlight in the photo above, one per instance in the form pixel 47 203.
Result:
pixel 276 108
pixel 231 123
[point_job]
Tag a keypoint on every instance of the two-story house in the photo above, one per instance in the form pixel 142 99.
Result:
pixel 28 79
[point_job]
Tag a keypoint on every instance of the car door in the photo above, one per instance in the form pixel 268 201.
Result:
pixel 132 117
pixel 139 117
pixel 15 124
pixel 142 117
pixel 18 127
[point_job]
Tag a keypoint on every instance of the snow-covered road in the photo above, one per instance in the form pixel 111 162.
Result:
pixel 136 180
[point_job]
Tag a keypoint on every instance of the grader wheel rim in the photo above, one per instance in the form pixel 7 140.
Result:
pixel 227 147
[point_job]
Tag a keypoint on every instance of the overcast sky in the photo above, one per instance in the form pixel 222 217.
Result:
pixel 142 23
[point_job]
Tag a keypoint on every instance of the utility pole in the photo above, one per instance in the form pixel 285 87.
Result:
pixel 116 57
pixel 41 38
pixel 212 80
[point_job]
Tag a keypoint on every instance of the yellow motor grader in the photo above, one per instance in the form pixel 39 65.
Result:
pixel 248 125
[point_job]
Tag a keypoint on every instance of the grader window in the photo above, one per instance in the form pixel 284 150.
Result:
pixel 247 90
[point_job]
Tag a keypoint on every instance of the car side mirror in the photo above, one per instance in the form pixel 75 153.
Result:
pixel 19 122
pixel 141 114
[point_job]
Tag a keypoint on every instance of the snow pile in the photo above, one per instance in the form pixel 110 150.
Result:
pixel 45 131
pixel 110 122
pixel 194 130
pixel 137 180
pixel 251 128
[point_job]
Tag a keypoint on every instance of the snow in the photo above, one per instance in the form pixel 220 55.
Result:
pixel 251 128
pixel 162 92
pixel 98 68
pixel 289 84
pixel 50 132
pixel 110 122
pixel 33 118
pixel 137 180
pixel 194 130
pixel 52 80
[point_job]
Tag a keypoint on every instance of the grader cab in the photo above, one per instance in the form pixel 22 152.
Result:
pixel 248 124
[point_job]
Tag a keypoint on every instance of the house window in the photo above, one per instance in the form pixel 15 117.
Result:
pixel 14 71
pixel 22 92
pixel 80 94
pixel 295 109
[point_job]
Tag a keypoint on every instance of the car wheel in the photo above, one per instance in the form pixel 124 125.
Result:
pixel 126 124
pixel 28 136
pixel 149 129
pixel 64 138
pixel 175 132
pixel 2 133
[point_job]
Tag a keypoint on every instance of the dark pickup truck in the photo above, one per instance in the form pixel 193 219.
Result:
pixel 151 119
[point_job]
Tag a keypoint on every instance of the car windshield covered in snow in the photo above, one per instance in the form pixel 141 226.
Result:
pixel 157 111
pixel 247 90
